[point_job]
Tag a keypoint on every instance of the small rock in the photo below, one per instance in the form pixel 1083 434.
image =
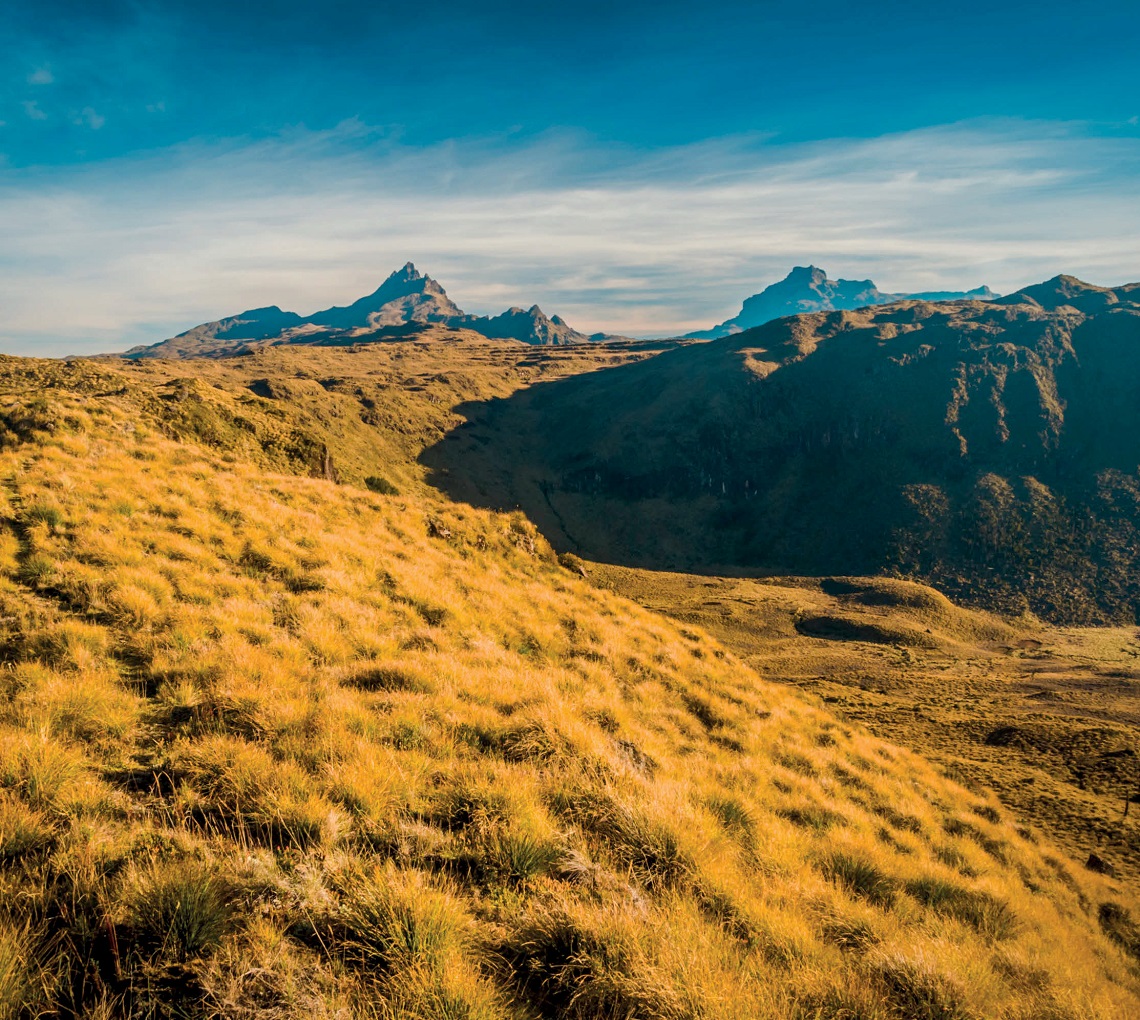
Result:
pixel 1099 865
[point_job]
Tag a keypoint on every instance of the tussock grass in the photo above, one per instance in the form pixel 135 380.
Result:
pixel 989 916
pixel 23 831
pixel 179 908
pixel 272 746
pixel 863 878
pixel 396 919
pixel 17 980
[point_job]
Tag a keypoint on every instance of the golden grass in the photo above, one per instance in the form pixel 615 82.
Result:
pixel 272 746
pixel 1046 717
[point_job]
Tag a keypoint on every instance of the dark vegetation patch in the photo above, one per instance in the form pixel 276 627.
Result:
pixel 986 914
pixel 1117 923
pixel 861 878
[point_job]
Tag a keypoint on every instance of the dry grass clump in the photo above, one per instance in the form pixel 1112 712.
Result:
pixel 397 919
pixel 178 908
pixel 277 747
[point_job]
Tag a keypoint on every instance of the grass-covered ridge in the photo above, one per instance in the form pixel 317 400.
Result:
pixel 272 746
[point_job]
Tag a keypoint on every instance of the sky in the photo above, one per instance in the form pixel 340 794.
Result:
pixel 637 168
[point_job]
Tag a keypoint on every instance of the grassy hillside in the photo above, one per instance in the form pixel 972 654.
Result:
pixel 990 449
pixel 275 746
pixel 1046 717
pixel 346 412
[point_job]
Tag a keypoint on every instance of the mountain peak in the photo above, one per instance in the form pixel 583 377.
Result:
pixel 407 297
pixel 806 274
pixel 807 289
pixel 407 272
pixel 1065 290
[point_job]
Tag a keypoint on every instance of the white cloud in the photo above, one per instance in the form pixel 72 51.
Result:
pixel 91 118
pixel 32 109
pixel 41 76
pixel 133 251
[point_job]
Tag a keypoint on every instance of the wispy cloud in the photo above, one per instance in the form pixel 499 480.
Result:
pixel 41 76
pixel 610 238
pixel 89 116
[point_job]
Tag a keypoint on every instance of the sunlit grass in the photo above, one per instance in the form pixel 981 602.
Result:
pixel 267 739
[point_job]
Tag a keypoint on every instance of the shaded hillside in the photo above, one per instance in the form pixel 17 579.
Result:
pixel 990 449
pixel 273 746
pixel 404 304
pixel 807 289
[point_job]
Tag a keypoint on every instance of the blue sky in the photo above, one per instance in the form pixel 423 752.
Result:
pixel 635 167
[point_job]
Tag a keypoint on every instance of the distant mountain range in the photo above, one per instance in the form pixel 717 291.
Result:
pixel 408 298
pixel 807 289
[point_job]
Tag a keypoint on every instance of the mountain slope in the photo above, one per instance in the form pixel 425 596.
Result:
pixel 807 289
pixel 990 449
pixel 407 298
pixel 274 746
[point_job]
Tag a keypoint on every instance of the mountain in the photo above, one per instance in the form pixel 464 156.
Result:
pixel 531 326
pixel 807 289
pixel 224 335
pixel 1062 291
pixel 407 298
pixel 988 448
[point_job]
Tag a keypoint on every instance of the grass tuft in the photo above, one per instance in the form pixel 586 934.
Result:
pixel 22 830
pixel 861 877
pixel 395 918
pixel 988 915
pixel 918 990
pixel 179 909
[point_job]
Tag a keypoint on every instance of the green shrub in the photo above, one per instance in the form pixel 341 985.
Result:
pixel 381 485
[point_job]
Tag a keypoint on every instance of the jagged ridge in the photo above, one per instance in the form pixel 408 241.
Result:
pixel 406 298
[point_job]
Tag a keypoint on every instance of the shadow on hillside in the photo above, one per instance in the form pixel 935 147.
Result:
pixel 665 495
pixel 1011 486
